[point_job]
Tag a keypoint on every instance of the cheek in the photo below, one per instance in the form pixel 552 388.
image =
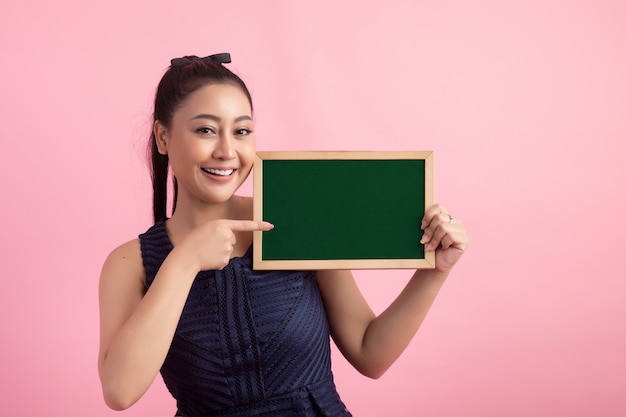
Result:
pixel 247 151
pixel 191 150
pixel 183 157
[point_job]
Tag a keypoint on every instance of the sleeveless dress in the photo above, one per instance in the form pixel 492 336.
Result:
pixel 248 343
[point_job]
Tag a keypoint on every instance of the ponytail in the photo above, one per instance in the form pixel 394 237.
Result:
pixel 159 173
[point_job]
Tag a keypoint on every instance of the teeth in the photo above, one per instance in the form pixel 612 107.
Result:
pixel 222 172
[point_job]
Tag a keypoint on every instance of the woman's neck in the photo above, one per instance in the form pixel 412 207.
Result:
pixel 187 217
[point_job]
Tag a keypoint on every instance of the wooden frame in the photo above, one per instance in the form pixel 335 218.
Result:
pixel 291 200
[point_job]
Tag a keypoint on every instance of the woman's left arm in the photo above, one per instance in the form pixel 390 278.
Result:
pixel 373 343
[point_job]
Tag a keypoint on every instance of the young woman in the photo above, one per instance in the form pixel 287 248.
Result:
pixel 183 299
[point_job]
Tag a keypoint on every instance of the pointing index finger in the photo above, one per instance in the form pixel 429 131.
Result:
pixel 249 225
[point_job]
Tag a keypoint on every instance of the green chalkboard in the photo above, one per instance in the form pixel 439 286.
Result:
pixel 342 210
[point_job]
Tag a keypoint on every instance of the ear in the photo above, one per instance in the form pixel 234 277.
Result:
pixel 162 137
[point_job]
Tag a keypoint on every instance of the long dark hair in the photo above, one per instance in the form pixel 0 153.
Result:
pixel 178 82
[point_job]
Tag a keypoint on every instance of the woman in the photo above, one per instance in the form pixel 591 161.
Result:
pixel 182 299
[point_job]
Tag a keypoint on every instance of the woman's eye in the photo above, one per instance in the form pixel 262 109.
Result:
pixel 205 130
pixel 242 132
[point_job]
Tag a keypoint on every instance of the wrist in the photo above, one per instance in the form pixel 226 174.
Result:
pixel 182 261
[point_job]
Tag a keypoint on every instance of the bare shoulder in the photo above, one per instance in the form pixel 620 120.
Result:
pixel 328 277
pixel 336 284
pixel 127 254
pixel 124 266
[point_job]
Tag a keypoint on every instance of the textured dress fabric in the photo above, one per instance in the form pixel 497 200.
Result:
pixel 248 343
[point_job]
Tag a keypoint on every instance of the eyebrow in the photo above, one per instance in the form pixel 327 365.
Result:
pixel 218 119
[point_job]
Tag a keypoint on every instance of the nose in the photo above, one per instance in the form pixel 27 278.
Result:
pixel 225 149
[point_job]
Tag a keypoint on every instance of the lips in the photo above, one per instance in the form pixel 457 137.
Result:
pixel 219 172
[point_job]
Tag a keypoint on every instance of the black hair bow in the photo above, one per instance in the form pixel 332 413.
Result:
pixel 223 58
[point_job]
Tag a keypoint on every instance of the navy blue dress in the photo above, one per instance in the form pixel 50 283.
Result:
pixel 248 343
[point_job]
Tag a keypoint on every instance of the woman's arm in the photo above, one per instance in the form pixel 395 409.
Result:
pixel 372 344
pixel 136 329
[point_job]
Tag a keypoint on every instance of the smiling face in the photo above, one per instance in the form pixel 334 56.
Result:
pixel 210 144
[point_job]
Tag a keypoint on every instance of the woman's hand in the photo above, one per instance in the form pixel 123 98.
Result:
pixel 445 235
pixel 212 244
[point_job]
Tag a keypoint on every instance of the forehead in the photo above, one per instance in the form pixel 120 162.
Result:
pixel 224 100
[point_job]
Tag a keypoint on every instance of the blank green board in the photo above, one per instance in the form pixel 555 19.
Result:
pixel 343 210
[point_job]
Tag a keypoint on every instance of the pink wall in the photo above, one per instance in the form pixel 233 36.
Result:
pixel 523 102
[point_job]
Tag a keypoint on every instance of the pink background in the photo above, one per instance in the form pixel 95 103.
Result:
pixel 523 102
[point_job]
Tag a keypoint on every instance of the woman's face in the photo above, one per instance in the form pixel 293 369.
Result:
pixel 210 143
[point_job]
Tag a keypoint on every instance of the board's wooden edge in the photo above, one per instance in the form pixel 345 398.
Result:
pixel 429 196
pixel 343 155
pixel 257 208
pixel 316 264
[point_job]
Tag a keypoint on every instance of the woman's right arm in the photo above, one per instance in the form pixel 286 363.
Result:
pixel 136 329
